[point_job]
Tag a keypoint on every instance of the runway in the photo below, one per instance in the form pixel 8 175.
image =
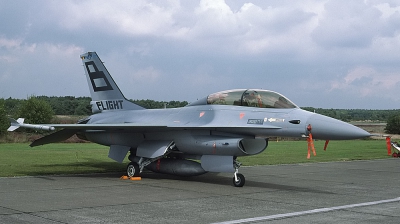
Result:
pixel 337 192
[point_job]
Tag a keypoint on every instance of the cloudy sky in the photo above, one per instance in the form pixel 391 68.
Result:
pixel 319 53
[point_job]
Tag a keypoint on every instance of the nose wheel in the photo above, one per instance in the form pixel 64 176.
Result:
pixel 238 180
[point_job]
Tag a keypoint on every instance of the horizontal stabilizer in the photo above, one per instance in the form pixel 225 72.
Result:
pixel 55 137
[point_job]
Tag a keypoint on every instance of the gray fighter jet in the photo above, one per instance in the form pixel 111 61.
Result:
pixel 205 136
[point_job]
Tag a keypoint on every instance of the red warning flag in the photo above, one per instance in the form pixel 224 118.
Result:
pixel 388 146
pixel 310 146
pixel 326 144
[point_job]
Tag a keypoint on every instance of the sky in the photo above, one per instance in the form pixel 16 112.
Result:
pixel 342 54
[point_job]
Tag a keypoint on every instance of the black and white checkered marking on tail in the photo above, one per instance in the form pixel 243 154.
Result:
pixel 97 78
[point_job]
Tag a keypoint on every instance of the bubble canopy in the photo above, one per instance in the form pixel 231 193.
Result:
pixel 248 98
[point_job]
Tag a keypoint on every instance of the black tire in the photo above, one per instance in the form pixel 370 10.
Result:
pixel 132 170
pixel 240 182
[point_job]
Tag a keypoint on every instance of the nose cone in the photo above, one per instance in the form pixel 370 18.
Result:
pixel 327 128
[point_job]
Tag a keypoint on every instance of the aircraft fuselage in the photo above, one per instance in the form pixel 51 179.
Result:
pixel 216 124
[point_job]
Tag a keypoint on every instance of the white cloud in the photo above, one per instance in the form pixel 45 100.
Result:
pixel 250 30
pixel 387 10
pixel 117 17
pixel 41 66
pixel 347 24
pixel 211 25
pixel 355 24
pixel 18 49
pixel 18 45
pixel 10 43
pixel 366 81
pixel 146 75
pixel 300 48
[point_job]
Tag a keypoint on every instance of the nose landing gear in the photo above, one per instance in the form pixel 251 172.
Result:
pixel 238 178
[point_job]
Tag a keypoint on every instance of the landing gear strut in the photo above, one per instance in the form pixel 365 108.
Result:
pixel 135 167
pixel 238 178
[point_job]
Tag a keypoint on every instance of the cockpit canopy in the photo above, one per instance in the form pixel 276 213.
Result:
pixel 248 98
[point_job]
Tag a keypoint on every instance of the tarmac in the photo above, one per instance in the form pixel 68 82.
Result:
pixel 334 192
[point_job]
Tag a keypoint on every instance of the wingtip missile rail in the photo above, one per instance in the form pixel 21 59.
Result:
pixel 15 124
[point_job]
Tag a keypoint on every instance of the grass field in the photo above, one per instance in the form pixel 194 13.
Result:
pixel 18 159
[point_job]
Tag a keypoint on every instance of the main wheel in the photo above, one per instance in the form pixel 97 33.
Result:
pixel 240 180
pixel 132 169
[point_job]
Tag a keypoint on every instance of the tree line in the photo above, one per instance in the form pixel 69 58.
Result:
pixel 40 109
pixel 355 114
pixel 70 105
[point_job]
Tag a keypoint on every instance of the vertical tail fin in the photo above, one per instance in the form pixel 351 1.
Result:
pixel 106 96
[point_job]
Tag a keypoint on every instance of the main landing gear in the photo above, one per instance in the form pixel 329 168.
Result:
pixel 132 170
pixel 135 168
pixel 238 178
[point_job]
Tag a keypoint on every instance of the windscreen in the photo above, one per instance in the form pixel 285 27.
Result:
pixel 251 98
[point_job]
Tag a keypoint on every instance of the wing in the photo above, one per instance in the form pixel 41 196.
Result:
pixel 69 130
pixel 133 127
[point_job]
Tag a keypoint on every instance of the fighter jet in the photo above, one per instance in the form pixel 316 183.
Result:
pixel 208 135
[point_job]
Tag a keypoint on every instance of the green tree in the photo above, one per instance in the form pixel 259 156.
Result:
pixel 83 109
pixel 4 123
pixel 152 104
pixel 11 106
pixel 393 124
pixel 36 111
pixel 175 104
